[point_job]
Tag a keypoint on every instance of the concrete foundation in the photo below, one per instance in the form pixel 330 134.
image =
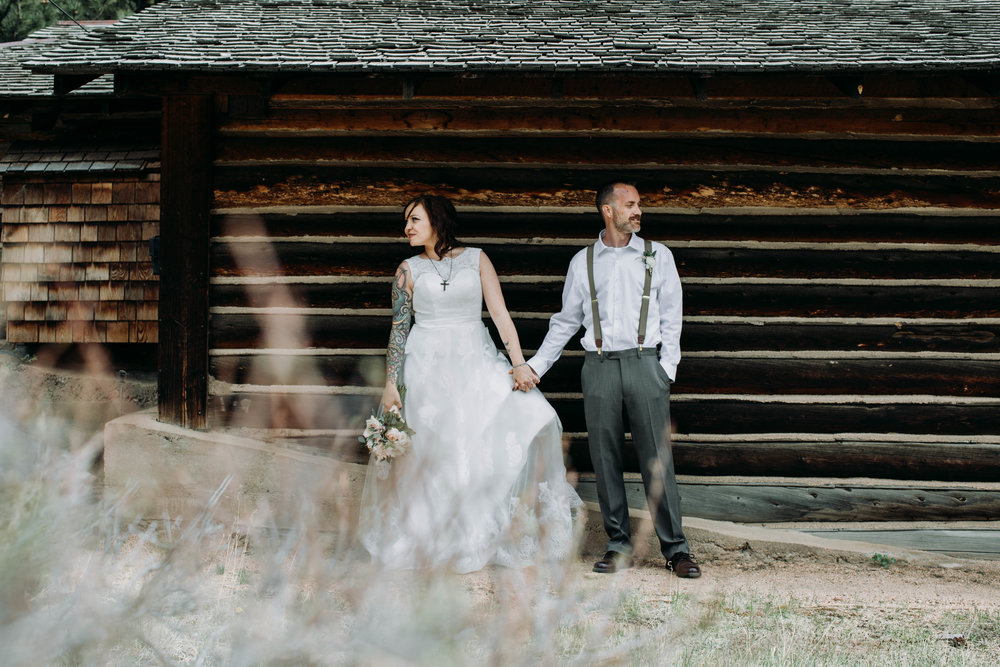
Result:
pixel 163 470
pixel 160 471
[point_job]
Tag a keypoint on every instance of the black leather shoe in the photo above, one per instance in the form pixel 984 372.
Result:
pixel 612 562
pixel 682 565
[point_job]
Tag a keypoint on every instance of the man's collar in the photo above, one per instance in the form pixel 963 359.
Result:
pixel 634 242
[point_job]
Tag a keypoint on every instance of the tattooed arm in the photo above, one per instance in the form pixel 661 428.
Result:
pixel 402 302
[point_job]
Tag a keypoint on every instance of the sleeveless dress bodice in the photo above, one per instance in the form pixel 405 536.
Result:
pixel 460 302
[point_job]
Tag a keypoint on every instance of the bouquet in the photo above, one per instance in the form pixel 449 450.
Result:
pixel 387 434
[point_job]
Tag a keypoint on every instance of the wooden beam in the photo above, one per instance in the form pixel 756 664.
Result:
pixel 728 415
pixel 146 83
pixel 703 297
pixel 356 328
pixel 782 499
pixel 763 373
pixel 186 198
pixel 855 156
pixel 63 84
pixel 849 119
pixel 567 225
pixel 975 541
pixel 677 87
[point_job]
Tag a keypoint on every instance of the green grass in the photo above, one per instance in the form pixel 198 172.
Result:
pixel 883 560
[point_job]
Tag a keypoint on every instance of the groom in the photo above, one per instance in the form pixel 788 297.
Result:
pixel 626 293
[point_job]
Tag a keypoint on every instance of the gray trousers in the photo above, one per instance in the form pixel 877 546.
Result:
pixel 637 382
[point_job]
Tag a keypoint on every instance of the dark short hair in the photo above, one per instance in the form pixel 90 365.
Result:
pixel 443 218
pixel 605 191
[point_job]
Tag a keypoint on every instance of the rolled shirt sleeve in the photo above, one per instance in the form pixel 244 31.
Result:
pixel 671 312
pixel 565 323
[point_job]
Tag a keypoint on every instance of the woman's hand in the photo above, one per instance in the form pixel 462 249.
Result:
pixel 525 378
pixel 390 397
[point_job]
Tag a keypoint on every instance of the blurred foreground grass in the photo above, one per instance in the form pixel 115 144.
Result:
pixel 81 585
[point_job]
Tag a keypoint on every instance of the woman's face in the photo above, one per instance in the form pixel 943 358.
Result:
pixel 418 227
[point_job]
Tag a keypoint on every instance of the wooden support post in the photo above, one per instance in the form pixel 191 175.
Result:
pixel 409 88
pixel 558 84
pixel 186 198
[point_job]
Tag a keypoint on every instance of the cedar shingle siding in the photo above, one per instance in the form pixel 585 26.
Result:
pixel 76 265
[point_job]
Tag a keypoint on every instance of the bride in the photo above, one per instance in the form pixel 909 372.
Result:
pixel 484 480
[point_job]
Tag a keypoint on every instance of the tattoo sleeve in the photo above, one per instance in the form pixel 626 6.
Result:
pixel 401 312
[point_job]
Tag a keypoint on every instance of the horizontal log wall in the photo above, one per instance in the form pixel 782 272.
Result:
pixel 825 500
pixel 839 258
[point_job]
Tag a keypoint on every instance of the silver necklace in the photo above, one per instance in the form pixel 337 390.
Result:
pixel 444 281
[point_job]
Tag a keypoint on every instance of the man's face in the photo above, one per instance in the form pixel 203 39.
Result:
pixel 626 215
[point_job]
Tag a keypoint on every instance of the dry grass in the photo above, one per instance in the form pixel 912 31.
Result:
pixel 78 586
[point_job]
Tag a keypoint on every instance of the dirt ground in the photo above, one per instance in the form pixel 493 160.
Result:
pixel 834 582
pixel 818 572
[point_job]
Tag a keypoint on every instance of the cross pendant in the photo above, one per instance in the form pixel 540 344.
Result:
pixel 444 285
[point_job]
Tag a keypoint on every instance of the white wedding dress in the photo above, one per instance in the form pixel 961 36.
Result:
pixel 484 481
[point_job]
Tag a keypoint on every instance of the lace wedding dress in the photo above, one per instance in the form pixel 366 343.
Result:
pixel 484 480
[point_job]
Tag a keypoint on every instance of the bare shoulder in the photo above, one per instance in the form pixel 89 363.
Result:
pixel 403 277
pixel 482 260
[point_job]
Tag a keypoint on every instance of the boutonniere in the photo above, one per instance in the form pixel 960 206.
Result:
pixel 649 260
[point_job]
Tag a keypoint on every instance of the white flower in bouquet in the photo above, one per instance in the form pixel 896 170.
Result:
pixel 387 434
pixel 372 427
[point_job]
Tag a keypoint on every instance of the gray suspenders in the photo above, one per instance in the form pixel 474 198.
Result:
pixel 593 298
pixel 644 311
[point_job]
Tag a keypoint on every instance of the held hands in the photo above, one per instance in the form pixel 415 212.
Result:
pixel 525 378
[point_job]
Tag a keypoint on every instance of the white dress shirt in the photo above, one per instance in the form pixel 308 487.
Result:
pixel 619 275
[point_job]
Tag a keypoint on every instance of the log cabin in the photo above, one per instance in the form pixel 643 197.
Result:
pixel 826 175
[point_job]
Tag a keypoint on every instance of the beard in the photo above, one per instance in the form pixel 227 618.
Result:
pixel 627 225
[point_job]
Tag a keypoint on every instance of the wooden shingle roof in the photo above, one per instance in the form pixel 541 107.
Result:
pixel 541 35
pixel 38 157
pixel 17 81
